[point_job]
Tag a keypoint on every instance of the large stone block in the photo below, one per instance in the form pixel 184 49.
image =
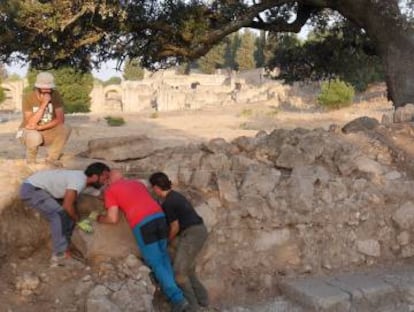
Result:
pixel 106 242
pixel 121 148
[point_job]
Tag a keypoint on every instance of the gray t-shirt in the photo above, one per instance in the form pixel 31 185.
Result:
pixel 56 182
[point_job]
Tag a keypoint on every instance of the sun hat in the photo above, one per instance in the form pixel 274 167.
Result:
pixel 45 80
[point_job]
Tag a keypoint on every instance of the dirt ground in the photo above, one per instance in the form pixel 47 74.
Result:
pixel 185 127
pixel 170 128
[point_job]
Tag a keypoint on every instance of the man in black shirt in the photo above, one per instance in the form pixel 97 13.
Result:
pixel 188 226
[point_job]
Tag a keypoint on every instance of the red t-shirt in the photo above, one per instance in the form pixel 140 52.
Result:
pixel 133 198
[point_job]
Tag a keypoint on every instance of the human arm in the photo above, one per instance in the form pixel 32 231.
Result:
pixel 59 119
pixel 31 119
pixel 69 200
pixel 174 229
pixel 111 217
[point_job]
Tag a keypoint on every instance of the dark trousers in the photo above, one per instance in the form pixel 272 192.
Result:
pixel 61 225
pixel 189 244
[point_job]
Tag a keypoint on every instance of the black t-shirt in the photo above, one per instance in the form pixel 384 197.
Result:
pixel 177 207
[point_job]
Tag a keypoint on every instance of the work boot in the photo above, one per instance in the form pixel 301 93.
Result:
pixel 64 259
pixel 182 306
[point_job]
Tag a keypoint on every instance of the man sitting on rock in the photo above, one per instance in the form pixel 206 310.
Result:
pixel 149 227
pixel 43 121
pixel 53 193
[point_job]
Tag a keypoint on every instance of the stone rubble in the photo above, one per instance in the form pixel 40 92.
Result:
pixel 282 205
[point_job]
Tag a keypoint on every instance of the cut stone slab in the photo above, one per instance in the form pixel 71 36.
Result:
pixel 121 148
pixel 316 294
pixel 368 292
pixel 380 290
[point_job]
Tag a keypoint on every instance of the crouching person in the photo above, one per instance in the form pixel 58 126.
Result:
pixel 149 227
pixel 53 194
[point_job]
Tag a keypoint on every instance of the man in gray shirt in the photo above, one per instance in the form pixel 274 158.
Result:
pixel 54 192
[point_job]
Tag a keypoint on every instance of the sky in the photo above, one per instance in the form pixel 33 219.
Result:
pixel 106 71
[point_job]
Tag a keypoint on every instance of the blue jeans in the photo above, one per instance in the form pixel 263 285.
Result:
pixel 61 225
pixel 151 235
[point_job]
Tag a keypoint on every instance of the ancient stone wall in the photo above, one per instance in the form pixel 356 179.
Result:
pixel 167 91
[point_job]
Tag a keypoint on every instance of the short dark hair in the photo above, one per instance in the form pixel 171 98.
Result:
pixel 96 168
pixel 161 180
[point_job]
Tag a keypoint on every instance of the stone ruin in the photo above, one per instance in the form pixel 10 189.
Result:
pixel 282 204
pixel 167 91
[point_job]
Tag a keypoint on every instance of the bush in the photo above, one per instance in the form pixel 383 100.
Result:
pixel 2 94
pixel 336 94
pixel 114 121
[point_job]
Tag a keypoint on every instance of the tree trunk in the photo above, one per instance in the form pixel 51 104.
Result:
pixel 398 59
pixel 394 37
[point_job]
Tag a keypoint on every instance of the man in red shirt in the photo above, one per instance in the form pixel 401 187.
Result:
pixel 149 226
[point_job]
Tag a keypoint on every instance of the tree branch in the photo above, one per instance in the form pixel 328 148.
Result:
pixel 281 25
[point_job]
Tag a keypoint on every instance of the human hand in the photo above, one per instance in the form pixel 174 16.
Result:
pixel 93 215
pixel 45 98
pixel 85 225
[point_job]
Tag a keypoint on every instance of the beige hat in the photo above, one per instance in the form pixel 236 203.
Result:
pixel 45 80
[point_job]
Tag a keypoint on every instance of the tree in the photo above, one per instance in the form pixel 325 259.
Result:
pixel 213 59
pixel 52 33
pixel 260 55
pixel 74 87
pixel 339 50
pixel 232 45
pixel 2 93
pixel 3 72
pixel 133 70
pixel 245 53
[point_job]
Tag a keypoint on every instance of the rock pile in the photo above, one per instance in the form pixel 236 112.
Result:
pixel 284 203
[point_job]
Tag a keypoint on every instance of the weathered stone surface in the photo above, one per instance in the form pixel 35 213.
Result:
pixel 360 124
pixel 404 113
pixel 317 295
pixel 404 216
pixel 369 247
pixel 120 148
pixel 107 241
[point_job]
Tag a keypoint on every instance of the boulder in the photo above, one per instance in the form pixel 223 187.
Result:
pixel 121 148
pixel 108 241
pixel 360 124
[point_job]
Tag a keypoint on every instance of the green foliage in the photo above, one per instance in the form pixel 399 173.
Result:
pixel 247 112
pixel 183 68
pixel 261 55
pixel 332 51
pixel 113 81
pixel 245 52
pixel 154 115
pixel 2 93
pixel 232 45
pixel 133 70
pixel 114 121
pixel 336 94
pixel 213 59
pixel 74 87
pixel 13 77
pixel 3 72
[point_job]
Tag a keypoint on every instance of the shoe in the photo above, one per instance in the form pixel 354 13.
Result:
pixel 182 306
pixel 63 259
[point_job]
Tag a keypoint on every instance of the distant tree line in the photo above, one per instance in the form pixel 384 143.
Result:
pixel 334 50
